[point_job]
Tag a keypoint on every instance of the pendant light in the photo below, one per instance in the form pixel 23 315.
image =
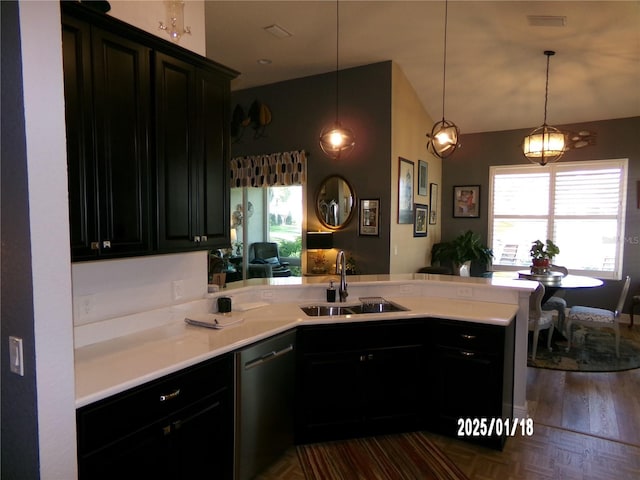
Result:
pixel 443 139
pixel 545 144
pixel 337 141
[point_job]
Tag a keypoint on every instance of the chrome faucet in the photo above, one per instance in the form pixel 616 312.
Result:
pixel 342 270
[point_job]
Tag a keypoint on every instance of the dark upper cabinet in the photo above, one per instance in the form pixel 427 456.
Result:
pixel 147 138
pixel 191 115
pixel 107 97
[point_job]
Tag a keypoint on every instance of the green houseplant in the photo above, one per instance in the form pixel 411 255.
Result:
pixel 542 254
pixel 462 250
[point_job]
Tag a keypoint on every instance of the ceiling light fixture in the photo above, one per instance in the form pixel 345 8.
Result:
pixel 337 141
pixel 175 20
pixel 545 144
pixel 443 139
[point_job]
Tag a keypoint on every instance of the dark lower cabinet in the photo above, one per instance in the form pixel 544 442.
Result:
pixel 380 377
pixel 179 427
pixel 470 379
pixel 359 379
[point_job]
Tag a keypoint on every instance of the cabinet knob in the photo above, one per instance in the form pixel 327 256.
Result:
pixel 106 244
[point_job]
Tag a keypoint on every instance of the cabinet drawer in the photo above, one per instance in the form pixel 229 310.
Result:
pixel 108 420
pixel 359 336
pixel 471 336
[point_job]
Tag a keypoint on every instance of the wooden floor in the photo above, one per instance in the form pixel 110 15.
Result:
pixel 586 426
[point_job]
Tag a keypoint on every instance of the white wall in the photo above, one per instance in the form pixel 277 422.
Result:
pixel 47 177
pixel 146 15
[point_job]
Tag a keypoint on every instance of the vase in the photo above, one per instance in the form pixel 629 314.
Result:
pixel 465 269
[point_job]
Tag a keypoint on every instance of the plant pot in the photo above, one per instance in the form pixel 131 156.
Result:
pixel 540 266
pixel 464 270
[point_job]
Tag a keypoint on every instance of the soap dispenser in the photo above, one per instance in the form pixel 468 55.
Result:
pixel 331 292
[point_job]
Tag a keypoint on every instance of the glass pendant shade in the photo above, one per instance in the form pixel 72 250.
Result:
pixel 337 141
pixel 544 145
pixel 443 139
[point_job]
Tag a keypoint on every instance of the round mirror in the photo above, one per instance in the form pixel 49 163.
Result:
pixel 335 202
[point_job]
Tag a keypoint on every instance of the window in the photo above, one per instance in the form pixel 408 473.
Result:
pixel 579 205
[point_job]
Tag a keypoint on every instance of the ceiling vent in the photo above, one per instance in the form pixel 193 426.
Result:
pixel 547 20
pixel 277 31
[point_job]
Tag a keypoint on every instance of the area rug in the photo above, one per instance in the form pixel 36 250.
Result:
pixel 592 350
pixel 409 456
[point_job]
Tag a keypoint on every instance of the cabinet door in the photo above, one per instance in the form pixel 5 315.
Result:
pixel 121 87
pixel 193 183
pixel 78 95
pixel 107 124
pixel 200 441
pixel 394 398
pixel 177 170
pixel 331 397
pixel 183 446
pixel 212 191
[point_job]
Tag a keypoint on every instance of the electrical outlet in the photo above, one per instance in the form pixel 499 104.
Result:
pixel 178 289
pixel 87 305
pixel 465 292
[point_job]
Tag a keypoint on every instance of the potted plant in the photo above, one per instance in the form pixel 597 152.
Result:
pixel 541 255
pixel 461 251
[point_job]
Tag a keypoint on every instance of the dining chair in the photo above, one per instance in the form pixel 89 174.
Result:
pixel 557 302
pixel 539 319
pixel 635 301
pixel 598 317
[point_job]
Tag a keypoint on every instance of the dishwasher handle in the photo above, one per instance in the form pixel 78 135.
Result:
pixel 267 357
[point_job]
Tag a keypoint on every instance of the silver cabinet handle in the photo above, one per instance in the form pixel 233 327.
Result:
pixel 204 238
pixel 466 336
pixel 106 244
pixel 170 396
pixel 196 239
pixel 95 245
pixel 467 354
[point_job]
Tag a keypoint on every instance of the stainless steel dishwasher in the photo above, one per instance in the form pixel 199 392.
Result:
pixel 264 404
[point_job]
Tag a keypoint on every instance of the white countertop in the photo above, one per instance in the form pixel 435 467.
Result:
pixel 110 367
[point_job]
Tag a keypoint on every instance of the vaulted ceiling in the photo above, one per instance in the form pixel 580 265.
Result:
pixel 495 70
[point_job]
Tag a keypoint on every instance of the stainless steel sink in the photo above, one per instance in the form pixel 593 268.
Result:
pixel 326 310
pixel 331 310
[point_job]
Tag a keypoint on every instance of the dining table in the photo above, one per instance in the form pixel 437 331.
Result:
pixel 554 281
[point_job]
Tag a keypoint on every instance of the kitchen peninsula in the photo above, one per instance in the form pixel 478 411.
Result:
pixel 108 361
pixel 457 348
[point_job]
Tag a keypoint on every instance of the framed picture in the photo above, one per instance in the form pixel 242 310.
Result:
pixel 405 191
pixel 466 201
pixel 433 201
pixel 422 177
pixel 369 217
pixel 421 215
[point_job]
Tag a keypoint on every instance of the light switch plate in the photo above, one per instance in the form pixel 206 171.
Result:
pixel 15 355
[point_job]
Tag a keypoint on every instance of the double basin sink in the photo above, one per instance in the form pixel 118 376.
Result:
pixel 367 306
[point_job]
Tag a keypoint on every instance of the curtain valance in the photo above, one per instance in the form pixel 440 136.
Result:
pixel 283 168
